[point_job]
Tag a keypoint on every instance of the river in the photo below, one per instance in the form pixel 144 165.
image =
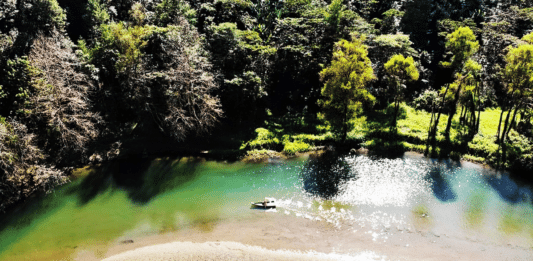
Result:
pixel 387 206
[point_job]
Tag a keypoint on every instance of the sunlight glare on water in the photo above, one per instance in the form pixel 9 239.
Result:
pixel 384 182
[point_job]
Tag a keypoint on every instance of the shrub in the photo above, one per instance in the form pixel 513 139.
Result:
pixel 168 11
pixel 264 140
pixel 261 155
pixel 292 148
pixel 426 100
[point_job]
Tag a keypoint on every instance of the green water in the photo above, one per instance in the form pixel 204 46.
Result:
pixel 141 197
pixel 164 195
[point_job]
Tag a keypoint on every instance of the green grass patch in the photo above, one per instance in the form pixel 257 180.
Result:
pixel 265 139
pixel 373 130
pixel 473 158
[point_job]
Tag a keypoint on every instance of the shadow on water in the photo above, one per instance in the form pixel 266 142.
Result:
pixel 508 189
pixel 23 216
pixel 325 176
pixel 51 227
pixel 440 185
pixel 142 179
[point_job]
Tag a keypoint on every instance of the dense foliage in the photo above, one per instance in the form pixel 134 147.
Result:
pixel 88 80
pixel 345 81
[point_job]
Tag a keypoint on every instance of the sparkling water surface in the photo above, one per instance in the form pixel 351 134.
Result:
pixel 382 198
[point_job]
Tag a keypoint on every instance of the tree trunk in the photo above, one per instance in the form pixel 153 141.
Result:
pixel 429 129
pixel 462 117
pixel 472 124
pixel 478 107
pixel 478 120
pixel 499 127
pixel 395 116
pixel 506 124
pixel 344 123
pixel 453 111
pixel 504 153
pixel 512 123
pixel 434 131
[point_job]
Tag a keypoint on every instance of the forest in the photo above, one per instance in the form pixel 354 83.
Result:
pixel 86 81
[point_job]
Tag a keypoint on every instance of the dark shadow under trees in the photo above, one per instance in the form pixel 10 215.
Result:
pixel 325 176
pixel 142 178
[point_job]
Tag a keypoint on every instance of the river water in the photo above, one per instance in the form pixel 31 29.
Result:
pixel 382 200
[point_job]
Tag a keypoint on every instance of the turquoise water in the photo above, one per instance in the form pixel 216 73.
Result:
pixel 145 197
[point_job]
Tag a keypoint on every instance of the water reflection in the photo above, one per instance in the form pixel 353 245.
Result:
pixel 423 220
pixel 476 205
pixel 511 222
pixel 325 176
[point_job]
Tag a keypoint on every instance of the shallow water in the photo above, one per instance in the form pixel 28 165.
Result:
pixel 385 198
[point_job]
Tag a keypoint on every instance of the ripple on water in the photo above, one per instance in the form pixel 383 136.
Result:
pixel 385 182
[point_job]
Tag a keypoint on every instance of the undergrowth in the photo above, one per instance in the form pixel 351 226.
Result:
pixel 291 135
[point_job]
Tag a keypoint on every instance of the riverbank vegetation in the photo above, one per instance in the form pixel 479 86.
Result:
pixel 86 81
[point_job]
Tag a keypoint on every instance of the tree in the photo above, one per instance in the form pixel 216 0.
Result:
pixel 518 87
pixel 46 118
pixel 345 80
pixel 465 89
pixel 334 13
pixel 462 44
pixel 382 48
pixel 519 83
pixel 156 79
pixel 390 24
pixel 400 70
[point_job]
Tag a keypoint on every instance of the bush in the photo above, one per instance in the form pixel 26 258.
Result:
pixel 264 140
pixel 168 12
pixel 261 155
pixel 426 100
pixel 402 111
pixel 292 148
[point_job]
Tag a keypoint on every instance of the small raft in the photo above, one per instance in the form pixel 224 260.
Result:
pixel 267 204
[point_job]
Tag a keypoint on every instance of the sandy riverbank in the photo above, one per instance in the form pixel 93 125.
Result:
pixel 277 236
pixel 227 251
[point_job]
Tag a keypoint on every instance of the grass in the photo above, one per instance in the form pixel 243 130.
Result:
pixel 286 136
pixel 372 130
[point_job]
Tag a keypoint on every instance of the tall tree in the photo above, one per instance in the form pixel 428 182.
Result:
pixel 518 86
pixel 519 83
pixel 462 44
pixel 400 70
pixel 345 80
pixel 466 89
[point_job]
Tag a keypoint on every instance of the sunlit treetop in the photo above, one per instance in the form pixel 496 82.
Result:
pixel 519 69
pixel 403 68
pixel 350 70
pixel 462 43
pixel 528 38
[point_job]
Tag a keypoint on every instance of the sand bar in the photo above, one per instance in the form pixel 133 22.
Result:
pixel 276 236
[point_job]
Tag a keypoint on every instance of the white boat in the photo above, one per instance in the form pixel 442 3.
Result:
pixel 268 203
